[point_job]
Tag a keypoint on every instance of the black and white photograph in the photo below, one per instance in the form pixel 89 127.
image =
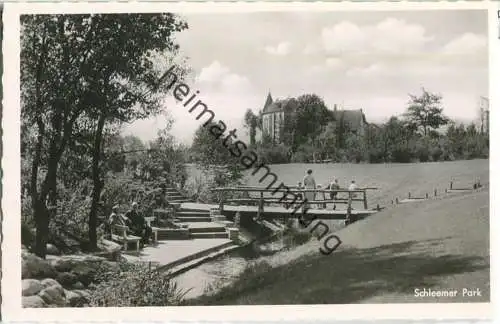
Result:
pixel 253 157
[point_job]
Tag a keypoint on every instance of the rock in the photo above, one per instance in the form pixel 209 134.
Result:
pixel 78 285
pixel 33 302
pixel 35 267
pixel 109 246
pixel 77 298
pixel 67 262
pixel 66 279
pixel 31 287
pixel 85 273
pixel 46 283
pixel 52 249
pixel 54 295
pixel 84 293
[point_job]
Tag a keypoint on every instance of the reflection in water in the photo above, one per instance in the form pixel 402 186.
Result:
pixel 214 273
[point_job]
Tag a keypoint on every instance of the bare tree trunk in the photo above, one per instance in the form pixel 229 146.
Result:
pixel 96 192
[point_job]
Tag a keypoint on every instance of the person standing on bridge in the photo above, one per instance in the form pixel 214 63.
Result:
pixel 334 185
pixel 309 183
pixel 299 187
pixel 353 187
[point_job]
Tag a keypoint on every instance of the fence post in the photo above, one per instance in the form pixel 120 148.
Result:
pixel 365 201
pixel 435 192
pixel 260 209
pixel 409 195
pixel 451 185
pixel 349 202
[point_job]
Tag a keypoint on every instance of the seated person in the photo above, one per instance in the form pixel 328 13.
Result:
pixel 115 219
pixel 138 224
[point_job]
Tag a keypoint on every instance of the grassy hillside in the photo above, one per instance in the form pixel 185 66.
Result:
pixel 438 244
pixel 393 180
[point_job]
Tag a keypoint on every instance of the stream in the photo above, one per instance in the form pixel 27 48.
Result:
pixel 225 269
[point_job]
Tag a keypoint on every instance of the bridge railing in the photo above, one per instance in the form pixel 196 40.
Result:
pixel 281 196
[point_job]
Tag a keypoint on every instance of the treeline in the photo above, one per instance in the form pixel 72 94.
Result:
pixel 314 133
pixel 82 78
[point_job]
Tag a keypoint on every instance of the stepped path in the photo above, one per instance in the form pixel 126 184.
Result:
pixel 197 238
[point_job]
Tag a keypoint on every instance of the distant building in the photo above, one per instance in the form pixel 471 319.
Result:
pixel 353 120
pixel 273 119
pixel 484 110
pixel 275 115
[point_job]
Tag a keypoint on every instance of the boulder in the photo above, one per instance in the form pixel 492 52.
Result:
pixel 46 283
pixel 54 295
pixel 33 302
pixel 35 267
pixel 84 293
pixel 77 298
pixel 52 249
pixel 66 263
pixel 66 279
pixel 85 273
pixel 31 287
pixel 111 249
pixel 78 285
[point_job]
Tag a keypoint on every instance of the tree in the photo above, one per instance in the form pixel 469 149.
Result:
pixel 212 154
pixel 425 111
pixel 310 116
pixel 85 74
pixel 251 123
pixel 327 140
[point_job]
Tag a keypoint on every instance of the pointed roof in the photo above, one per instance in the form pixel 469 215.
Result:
pixel 269 100
pixel 270 106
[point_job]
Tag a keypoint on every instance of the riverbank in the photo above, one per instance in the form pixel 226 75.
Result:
pixel 441 244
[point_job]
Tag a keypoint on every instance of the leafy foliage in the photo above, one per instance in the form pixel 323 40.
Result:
pixel 311 132
pixel 136 285
pixel 82 77
pixel 425 111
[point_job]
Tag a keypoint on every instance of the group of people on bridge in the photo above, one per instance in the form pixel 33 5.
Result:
pixel 309 183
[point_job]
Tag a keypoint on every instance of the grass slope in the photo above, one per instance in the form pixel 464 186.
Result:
pixel 438 244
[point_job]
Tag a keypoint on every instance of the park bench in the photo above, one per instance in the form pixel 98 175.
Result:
pixel 153 228
pixel 119 234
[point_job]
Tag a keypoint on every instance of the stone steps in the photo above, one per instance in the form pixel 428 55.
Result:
pixel 173 234
pixel 174 196
pixel 210 235
pixel 193 213
pixel 178 201
pixel 193 219
pixel 207 229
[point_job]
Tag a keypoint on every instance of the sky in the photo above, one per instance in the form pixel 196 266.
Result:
pixel 354 59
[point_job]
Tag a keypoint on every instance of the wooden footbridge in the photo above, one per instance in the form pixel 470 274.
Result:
pixel 289 202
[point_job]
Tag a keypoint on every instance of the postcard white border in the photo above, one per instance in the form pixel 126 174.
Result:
pixel 11 280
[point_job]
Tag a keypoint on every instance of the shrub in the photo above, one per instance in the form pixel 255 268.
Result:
pixel 136 285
